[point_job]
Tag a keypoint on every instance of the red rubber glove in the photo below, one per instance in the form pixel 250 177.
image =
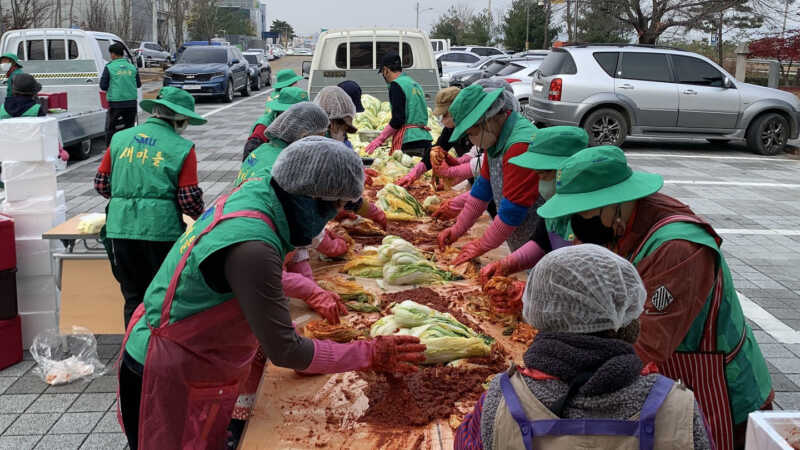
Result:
pixel 524 258
pixel 394 354
pixel 378 141
pixel 445 211
pixel 345 215
pixel 373 213
pixel 328 305
pixel 384 354
pixel 412 176
pixel 301 267
pixel 473 209
pixel 332 245
pixel 492 238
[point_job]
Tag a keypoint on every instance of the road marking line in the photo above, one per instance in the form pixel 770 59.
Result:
pixel 210 113
pixel 669 155
pixel 753 231
pixel 733 183
pixel 772 325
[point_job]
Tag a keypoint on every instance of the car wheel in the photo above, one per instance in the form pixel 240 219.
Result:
pixel 228 98
pixel 768 134
pixel 606 127
pixel 259 83
pixel 246 89
pixel 80 151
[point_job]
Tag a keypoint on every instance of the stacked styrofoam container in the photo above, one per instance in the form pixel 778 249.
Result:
pixel 36 205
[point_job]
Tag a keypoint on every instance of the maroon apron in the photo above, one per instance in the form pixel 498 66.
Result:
pixel 194 366
pixel 703 371
pixel 397 139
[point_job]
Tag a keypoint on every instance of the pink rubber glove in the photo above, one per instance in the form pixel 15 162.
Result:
pixel 296 285
pixel 62 154
pixel 378 141
pixel 412 176
pixel 492 238
pixel 524 258
pixel 326 304
pixel 302 268
pixel 465 158
pixel 371 211
pixel 457 173
pixel 393 354
pixel 332 245
pixel 473 208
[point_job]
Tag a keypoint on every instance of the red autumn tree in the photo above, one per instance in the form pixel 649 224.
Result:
pixel 785 50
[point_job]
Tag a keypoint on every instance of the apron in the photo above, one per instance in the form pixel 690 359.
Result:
pixel 397 139
pixel 525 230
pixel 644 428
pixel 703 371
pixel 194 366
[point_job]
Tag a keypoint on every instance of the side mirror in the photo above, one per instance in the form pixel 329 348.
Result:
pixel 234 61
pixel 728 83
pixel 306 69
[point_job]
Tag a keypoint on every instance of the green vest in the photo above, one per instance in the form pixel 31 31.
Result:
pixel 416 109
pixel 33 111
pixel 10 80
pixel 747 376
pixel 561 226
pixel 265 119
pixel 145 164
pixel 122 81
pixel 516 129
pixel 193 294
pixel 260 160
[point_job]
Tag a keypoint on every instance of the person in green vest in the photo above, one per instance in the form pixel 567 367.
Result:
pixel 488 116
pixel 11 68
pixel 408 127
pixel 550 147
pixel 692 327
pixel 23 102
pixel 218 297
pixel 289 96
pixel 121 82
pixel 149 175
pixel 285 78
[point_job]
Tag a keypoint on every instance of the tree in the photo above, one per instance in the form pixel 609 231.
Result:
pixel 598 23
pixel 479 29
pixel 98 17
pixel 453 25
pixel 514 27
pixel 284 29
pixel 178 10
pixel 203 20
pixel 234 21
pixel 740 16
pixel 28 13
pixel 786 50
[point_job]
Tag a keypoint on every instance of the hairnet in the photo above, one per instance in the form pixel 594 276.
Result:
pixel 582 289
pixel 163 112
pixel 300 120
pixel 506 102
pixel 320 167
pixel 336 102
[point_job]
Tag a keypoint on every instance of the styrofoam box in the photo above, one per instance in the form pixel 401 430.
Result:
pixel 36 322
pixel 24 180
pixel 38 294
pixel 768 430
pixel 29 139
pixel 35 216
pixel 33 257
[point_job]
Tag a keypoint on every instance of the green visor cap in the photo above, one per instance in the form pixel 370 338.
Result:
pixel 12 57
pixel 286 98
pixel 469 107
pixel 552 146
pixel 176 99
pixel 286 77
pixel 597 177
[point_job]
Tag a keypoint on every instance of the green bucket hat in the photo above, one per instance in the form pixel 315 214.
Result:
pixel 12 57
pixel 597 177
pixel 469 106
pixel 552 146
pixel 287 97
pixel 286 77
pixel 176 99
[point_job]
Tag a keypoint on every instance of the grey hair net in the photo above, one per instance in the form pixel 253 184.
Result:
pixel 506 102
pixel 163 112
pixel 320 167
pixel 300 120
pixel 583 289
pixel 335 101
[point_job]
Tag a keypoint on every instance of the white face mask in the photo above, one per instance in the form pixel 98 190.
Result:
pixel 547 189
pixel 4 67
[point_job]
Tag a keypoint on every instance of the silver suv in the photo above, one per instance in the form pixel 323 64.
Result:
pixel 614 91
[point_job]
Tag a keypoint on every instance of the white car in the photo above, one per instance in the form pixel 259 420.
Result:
pixel 519 74
pixel 479 50
pixel 454 61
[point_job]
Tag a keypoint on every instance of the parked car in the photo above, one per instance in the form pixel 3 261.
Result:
pixel 303 51
pixel 615 91
pixel 280 52
pixel 150 54
pixel 355 53
pixel 440 45
pixel 454 61
pixel 210 71
pixel 71 61
pixel 485 68
pixel 480 50
pixel 518 73
pixel 256 50
pixel 260 70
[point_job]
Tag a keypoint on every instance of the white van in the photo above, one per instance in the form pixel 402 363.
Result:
pixel 440 45
pixel 71 61
pixel 356 54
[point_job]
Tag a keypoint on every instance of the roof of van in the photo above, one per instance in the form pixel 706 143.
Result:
pixel 59 31
pixel 368 32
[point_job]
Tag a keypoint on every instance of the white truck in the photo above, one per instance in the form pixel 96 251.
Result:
pixel 71 61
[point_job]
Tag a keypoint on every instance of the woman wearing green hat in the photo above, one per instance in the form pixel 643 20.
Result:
pixel 288 97
pixel 10 66
pixel 488 117
pixel 693 327
pixel 550 147
pixel 149 175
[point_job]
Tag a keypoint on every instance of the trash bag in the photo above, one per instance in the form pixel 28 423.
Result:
pixel 64 358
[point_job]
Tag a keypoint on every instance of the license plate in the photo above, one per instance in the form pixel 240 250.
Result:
pixel 190 87
pixel 538 87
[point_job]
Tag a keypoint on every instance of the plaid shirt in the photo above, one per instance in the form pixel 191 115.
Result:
pixel 190 198
pixel 468 434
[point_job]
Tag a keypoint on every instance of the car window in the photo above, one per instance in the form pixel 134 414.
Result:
pixel 495 67
pixel 252 59
pixel 645 66
pixel 104 44
pixel 55 49
pixel 203 55
pixel 466 57
pixel 36 50
pixel 458 48
pixel 361 54
pixel 608 61
pixel 509 69
pixel 493 51
pixel 448 57
pixel 73 49
pixel 481 51
pixel 558 62
pixel 696 71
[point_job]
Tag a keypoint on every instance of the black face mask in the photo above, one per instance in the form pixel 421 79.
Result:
pixel 307 216
pixel 591 230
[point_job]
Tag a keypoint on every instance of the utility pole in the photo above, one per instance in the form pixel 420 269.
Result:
pixel 785 15
pixel 527 23
pixel 546 42
pixel 155 20
pixel 418 15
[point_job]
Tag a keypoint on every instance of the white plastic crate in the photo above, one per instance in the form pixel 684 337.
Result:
pixel 29 139
pixel 36 322
pixel 38 294
pixel 33 257
pixel 768 430
pixel 24 180
pixel 35 216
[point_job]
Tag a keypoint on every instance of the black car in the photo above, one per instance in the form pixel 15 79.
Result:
pixel 485 68
pixel 260 70
pixel 210 71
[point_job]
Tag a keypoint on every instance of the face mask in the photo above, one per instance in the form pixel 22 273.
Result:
pixel 307 218
pixel 592 230
pixel 181 126
pixel 4 67
pixel 547 189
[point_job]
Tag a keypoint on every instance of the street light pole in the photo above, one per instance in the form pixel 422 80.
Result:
pixel 527 24
pixel 155 20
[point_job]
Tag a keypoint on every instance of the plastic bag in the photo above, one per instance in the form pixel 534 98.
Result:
pixel 64 358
